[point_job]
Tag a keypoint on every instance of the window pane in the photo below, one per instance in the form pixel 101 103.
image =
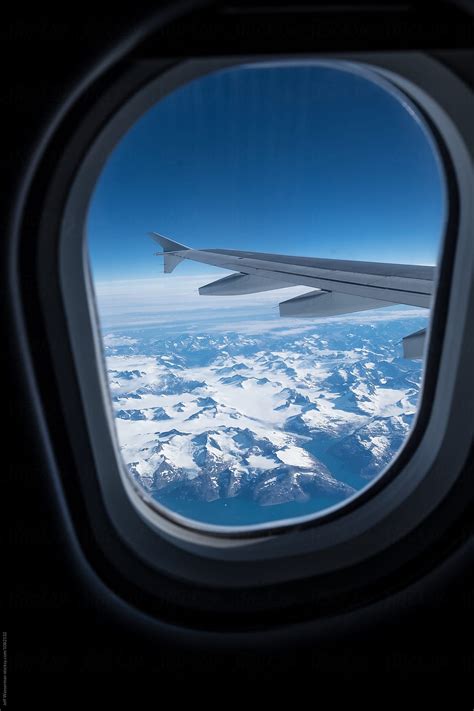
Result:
pixel 227 412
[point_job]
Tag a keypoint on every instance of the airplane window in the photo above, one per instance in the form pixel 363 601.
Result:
pixel 263 245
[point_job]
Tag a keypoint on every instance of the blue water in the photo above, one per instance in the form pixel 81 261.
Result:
pixel 238 511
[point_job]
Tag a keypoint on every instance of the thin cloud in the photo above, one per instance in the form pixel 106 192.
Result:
pixel 175 303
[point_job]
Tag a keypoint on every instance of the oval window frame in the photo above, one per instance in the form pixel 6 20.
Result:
pixel 298 540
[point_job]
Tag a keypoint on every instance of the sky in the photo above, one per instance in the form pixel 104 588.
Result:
pixel 302 160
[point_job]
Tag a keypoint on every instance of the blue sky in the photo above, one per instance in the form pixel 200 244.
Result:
pixel 304 160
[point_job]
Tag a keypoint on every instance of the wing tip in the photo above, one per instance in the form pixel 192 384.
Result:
pixel 168 245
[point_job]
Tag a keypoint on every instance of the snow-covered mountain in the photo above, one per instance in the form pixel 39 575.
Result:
pixel 276 425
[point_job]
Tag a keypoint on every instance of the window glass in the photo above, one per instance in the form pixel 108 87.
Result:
pixel 226 411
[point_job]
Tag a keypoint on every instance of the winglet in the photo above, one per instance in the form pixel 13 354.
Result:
pixel 171 260
pixel 168 244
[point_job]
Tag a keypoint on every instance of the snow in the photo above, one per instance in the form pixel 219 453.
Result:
pixel 295 457
pixel 259 462
pixel 349 388
pixel 179 451
pixel 384 402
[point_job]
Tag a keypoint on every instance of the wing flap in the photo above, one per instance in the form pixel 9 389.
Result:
pixel 328 303
pixel 414 344
pixel 237 284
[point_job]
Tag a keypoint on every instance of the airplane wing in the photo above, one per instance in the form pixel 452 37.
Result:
pixel 340 286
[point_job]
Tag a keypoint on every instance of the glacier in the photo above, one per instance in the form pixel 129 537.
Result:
pixel 233 428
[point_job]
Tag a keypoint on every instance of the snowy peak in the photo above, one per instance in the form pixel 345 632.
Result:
pixel 272 420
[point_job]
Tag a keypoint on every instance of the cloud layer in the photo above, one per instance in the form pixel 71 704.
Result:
pixel 174 303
